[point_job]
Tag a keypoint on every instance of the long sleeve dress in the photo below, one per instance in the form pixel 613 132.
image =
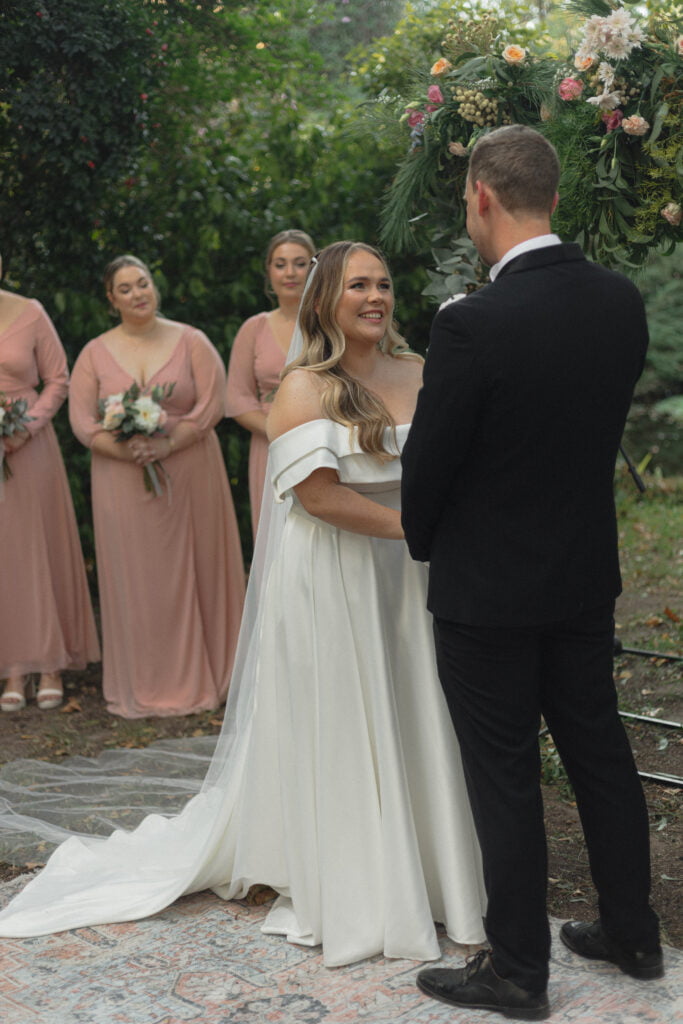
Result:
pixel 170 569
pixel 338 778
pixel 46 618
pixel 256 362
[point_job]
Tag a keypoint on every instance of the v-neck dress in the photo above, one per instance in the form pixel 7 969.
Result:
pixel 170 569
pixel 256 362
pixel 46 618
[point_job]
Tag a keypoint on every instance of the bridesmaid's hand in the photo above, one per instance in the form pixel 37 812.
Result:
pixel 15 442
pixel 150 449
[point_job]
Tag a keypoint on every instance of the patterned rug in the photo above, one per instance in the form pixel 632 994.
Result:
pixel 205 961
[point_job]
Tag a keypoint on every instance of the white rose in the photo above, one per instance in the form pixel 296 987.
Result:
pixel 146 414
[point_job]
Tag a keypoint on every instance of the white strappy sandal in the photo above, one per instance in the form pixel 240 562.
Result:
pixel 50 697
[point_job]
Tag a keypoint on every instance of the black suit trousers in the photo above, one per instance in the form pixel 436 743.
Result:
pixel 498 683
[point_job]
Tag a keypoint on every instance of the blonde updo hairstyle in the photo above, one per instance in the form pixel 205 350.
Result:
pixel 344 398
pixel 291 236
pixel 112 269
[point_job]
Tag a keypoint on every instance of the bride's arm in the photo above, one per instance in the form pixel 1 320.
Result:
pixel 321 494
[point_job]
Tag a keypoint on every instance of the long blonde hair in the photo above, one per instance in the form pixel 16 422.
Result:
pixel 344 398
pixel 293 236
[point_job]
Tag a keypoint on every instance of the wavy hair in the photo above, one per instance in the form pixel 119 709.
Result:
pixel 344 398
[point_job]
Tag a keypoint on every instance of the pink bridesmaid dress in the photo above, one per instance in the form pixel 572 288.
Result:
pixel 46 618
pixel 256 362
pixel 170 569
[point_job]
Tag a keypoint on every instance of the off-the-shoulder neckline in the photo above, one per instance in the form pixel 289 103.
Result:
pixel 333 423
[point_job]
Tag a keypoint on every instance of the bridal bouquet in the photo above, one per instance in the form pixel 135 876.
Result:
pixel 13 418
pixel 135 411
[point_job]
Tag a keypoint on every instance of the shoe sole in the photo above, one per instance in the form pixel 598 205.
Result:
pixel 640 973
pixel 514 1012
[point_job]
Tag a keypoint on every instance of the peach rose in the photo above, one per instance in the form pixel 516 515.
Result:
pixel 635 125
pixel 114 414
pixel 514 54
pixel 583 62
pixel 673 213
pixel 457 149
pixel 441 67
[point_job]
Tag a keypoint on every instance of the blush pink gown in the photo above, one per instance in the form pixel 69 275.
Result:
pixel 256 362
pixel 170 569
pixel 46 619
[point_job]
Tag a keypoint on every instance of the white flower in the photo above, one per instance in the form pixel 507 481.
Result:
pixel 617 47
pixel 606 100
pixel 615 36
pixel 606 74
pixel 453 298
pixel 146 414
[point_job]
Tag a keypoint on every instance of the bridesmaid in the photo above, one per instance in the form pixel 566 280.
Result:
pixel 46 619
pixel 260 348
pixel 170 570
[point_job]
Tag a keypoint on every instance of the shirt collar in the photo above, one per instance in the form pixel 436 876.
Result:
pixel 537 242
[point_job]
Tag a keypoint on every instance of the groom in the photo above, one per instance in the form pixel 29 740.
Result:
pixel 507 492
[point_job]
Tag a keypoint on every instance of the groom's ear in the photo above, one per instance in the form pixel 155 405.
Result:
pixel 483 196
pixel 554 203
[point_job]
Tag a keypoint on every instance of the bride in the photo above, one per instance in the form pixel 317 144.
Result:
pixel 337 779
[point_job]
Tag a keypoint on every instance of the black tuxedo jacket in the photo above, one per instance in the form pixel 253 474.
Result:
pixel 508 468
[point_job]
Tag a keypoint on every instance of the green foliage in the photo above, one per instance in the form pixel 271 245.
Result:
pixel 72 82
pixel 661 285
pixel 211 126
pixel 347 24
pixel 395 61
pixel 622 187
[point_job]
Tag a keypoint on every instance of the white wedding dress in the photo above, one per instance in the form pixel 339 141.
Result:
pixel 343 789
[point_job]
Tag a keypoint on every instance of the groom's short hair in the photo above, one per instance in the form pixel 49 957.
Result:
pixel 520 165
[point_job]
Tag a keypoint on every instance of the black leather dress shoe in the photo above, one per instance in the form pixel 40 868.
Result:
pixel 477 986
pixel 590 941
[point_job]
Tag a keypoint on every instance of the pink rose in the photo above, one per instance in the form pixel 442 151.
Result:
pixel 570 89
pixel 612 119
pixel 434 94
pixel 673 213
pixel 635 125
pixel 415 118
